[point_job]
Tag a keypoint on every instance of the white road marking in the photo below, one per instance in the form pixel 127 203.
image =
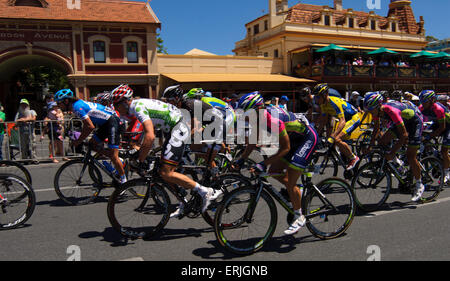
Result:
pixel 134 259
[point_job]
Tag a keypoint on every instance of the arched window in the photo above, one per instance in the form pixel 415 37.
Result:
pixel 132 52
pixel 99 48
pixel 29 3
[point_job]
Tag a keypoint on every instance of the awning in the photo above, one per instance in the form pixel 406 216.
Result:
pixel 228 77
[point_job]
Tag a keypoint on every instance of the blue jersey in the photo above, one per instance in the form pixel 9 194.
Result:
pixel 98 113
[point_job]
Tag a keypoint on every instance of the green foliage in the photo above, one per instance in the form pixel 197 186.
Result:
pixel 160 44
pixel 35 78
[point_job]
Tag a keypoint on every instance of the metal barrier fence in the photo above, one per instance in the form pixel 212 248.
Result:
pixel 40 140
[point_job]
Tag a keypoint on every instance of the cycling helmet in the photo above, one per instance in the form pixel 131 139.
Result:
pixel 396 95
pixel 105 97
pixel 251 101
pixel 426 95
pixel 306 91
pixel 321 89
pixel 64 94
pixel 173 92
pixel 373 100
pixel 121 92
pixel 196 93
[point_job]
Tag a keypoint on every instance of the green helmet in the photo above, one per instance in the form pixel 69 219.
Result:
pixel 196 93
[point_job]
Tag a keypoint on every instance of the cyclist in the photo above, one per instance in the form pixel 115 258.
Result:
pixel 157 114
pixel 311 101
pixel 92 115
pixel 297 142
pixel 440 116
pixel 407 126
pixel 349 120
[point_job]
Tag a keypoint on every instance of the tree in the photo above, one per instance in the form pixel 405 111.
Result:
pixel 430 38
pixel 160 44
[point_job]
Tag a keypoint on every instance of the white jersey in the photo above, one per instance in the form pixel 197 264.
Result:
pixel 164 116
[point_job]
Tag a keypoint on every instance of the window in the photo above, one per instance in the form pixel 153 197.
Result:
pixel 132 52
pixel 394 27
pixel 327 20
pixel 266 54
pixel 275 53
pixel 99 51
pixel 373 25
pixel 256 29
pixel 266 25
pixel 351 22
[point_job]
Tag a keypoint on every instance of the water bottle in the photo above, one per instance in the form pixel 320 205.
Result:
pixel 401 165
pixel 108 166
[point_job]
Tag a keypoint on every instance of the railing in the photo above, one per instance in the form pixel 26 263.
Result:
pixel 40 140
pixel 373 71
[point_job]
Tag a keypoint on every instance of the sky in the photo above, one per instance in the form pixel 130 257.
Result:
pixel 214 26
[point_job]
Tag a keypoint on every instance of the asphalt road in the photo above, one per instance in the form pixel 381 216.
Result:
pixel 58 232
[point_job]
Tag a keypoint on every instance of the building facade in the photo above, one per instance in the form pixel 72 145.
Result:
pixel 97 43
pixel 294 34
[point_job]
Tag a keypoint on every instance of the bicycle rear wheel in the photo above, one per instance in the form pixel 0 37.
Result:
pixel 136 216
pixel 17 201
pixel 331 214
pixel 432 178
pixel 371 187
pixel 235 231
pixel 76 183
pixel 15 168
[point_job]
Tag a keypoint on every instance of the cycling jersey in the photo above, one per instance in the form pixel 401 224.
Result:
pixel 98 113
pixel 164 116
pixel 221 105
pixel 437 112
pixel 291 122
pixel 338 108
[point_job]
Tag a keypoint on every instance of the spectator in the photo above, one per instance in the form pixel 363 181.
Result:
pixel 55 131
pixel 370 62
pixel 234 101
pixel 360 61
pixel 25 118
pixel 283 102
pixel 2 129
pixel 356 100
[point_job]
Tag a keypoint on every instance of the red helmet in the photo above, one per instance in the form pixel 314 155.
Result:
pixel 121 92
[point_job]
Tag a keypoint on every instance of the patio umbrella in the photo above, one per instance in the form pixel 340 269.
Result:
pixel 331 47
pixel 382 50
pixel 441 55
pixel 422 54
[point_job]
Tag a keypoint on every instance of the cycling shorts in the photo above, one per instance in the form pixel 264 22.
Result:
pixel 414 128
pixel 111 131
pixel 175 144
pixel 302 149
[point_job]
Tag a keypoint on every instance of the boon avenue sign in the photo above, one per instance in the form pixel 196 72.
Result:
pixel 31 36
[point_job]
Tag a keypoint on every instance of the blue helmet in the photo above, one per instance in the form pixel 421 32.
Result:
pixel 373 100
pixel 64 94
pixel 251 101
pixel 426 95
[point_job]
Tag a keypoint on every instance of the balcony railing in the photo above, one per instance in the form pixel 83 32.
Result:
pixel 372 71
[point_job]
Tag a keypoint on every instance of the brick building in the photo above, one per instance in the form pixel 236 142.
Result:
pixel 97 43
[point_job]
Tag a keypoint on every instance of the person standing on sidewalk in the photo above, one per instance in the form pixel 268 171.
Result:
pixel 24 119
pixel 2 129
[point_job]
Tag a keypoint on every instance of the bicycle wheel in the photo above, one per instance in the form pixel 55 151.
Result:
pixel 15 168
pixel 371 186
pixel 17 201
pixel 76 183
pixel 432 178
pixel 139 217
pixel 329 212
pixel 238 234
pixel 226 183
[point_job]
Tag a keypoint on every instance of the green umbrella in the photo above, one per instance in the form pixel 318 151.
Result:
pixel 331 47
pixel 441 55
pixel 422 54
pixel 382 50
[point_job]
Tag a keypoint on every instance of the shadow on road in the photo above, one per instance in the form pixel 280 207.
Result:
pixel 281 244
pixel 109 235
pixel 396 205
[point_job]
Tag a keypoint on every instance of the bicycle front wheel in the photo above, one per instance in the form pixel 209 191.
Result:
pixel 329 212
pixel 77 183
pixel 17 201
pixel 140 209
pixel 235 230
pixel 371 187
pixel 432 178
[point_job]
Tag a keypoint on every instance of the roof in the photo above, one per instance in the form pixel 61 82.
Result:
pixel 308 14
pixel 203 77
pixel 198 52
pixel 90 10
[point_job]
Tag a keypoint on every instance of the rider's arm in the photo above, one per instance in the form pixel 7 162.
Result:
pixel 402 138
pixel 88 127
pixel 340 127
pixel 147 142
pixel 285 146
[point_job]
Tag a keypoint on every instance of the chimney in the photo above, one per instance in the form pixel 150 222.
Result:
pixel 277 11
pixel 338 5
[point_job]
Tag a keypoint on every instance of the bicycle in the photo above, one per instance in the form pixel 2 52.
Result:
pixel 143 217
pixel 15 168
pixel 254 206
pixel 372 183
pixel 17 201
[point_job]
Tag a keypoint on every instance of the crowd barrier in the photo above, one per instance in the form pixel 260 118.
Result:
pixel 40 140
